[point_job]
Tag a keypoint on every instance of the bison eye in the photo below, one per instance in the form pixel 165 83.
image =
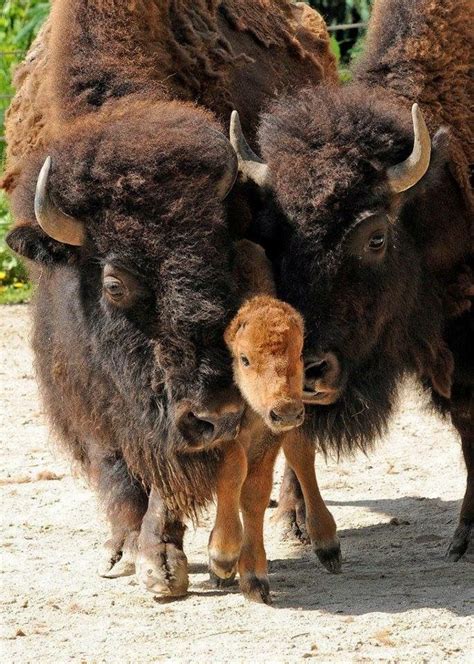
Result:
pixel 377 241
pixel 114 287
pixel 245 360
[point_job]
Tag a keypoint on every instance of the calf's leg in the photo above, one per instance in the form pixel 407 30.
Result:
pixel 320 524
pixel 161 564
pixel 226 537
pixel 254 499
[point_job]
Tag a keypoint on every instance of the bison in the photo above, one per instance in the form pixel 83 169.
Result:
pixel 120 178
pixel 367 213
pixel 265 340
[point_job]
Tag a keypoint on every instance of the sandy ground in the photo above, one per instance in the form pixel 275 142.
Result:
pixel 396 600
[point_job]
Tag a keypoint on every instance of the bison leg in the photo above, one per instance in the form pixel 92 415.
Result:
pixel 254 500
pixel 162 567
pixel 125 502
pixel 320 524
pixel 462 413
pixel 226 538
pixel 291 512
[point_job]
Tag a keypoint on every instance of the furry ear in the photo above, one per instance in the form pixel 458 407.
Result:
pixel 237 323
pixel 439 156
pixel 30 242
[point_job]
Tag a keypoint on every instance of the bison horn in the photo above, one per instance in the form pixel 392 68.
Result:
pixel 53 221
pixel 251 167
pixel 406 174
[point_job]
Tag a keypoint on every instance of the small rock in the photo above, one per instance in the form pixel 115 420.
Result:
pixel 20 632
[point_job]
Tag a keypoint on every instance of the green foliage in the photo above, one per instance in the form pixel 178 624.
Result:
pixel 20 21
pixel 14 286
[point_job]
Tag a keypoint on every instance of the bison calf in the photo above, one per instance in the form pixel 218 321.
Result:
pixel 265 340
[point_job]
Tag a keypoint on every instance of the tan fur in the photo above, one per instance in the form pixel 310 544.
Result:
pixel 269 334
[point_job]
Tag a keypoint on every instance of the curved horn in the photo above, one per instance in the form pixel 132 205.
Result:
pixel 53 221
pixel 252 167
pixel 406 174
pixel 229 176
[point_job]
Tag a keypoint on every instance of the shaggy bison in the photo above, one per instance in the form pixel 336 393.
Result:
pixel 120 186
pixel 368 218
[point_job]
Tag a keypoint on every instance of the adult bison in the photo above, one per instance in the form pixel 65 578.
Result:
pixel 373 240
pixel 120 186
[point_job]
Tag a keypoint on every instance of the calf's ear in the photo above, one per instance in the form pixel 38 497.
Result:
pixel 32 243
pixel 236 324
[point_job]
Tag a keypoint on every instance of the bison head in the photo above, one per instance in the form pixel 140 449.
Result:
pixel 132 199
pixel 339 177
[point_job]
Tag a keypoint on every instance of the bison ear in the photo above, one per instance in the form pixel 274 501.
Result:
pixel 32 243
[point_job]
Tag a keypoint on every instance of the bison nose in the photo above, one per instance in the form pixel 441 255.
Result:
pixel 199 429
pixel 289 414
pixel 321 370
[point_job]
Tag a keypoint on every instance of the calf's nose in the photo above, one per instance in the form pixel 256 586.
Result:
pixel 289 413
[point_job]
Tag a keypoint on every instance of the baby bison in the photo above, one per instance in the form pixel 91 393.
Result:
pixel 266 342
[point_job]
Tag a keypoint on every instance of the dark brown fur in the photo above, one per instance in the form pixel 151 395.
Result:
pixel 329 152
pixel 126 95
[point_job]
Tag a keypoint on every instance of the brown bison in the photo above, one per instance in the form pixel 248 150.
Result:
pixel 120 174
pixel 368 218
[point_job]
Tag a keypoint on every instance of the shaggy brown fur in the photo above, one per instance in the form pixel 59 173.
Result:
pixel 139 385
pixel 371 316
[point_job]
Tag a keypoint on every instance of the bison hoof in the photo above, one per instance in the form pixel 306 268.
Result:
pixel 462 544
pixel 119 559
pixel 255 588
pixel 222 571
pixel 330 556
pixel 163 571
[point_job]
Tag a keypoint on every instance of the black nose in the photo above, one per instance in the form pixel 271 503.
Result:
pixel 322 368
pixel 287 414
pixel 202 428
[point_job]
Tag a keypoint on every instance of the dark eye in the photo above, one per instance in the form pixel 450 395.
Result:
pixel 114 287
pixel 245 360
pixel 377 241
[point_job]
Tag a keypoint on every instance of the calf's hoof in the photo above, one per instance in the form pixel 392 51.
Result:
pixel 255 588
pixel 163 570
pixel 222 570
pixel 330 556
pixel 462 544
pixel 219 582
pixel 119 557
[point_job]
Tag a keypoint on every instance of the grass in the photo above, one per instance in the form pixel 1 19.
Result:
pixel 14 284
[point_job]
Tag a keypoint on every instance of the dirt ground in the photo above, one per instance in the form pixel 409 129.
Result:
pixel 397 599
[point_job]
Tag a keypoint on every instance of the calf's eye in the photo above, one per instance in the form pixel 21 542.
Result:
pixel 114 287
pixel 245 360
pixel 377 241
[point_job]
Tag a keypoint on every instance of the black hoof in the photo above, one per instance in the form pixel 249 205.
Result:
pixel 462 544
pixel 330 557
pixel 256 589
